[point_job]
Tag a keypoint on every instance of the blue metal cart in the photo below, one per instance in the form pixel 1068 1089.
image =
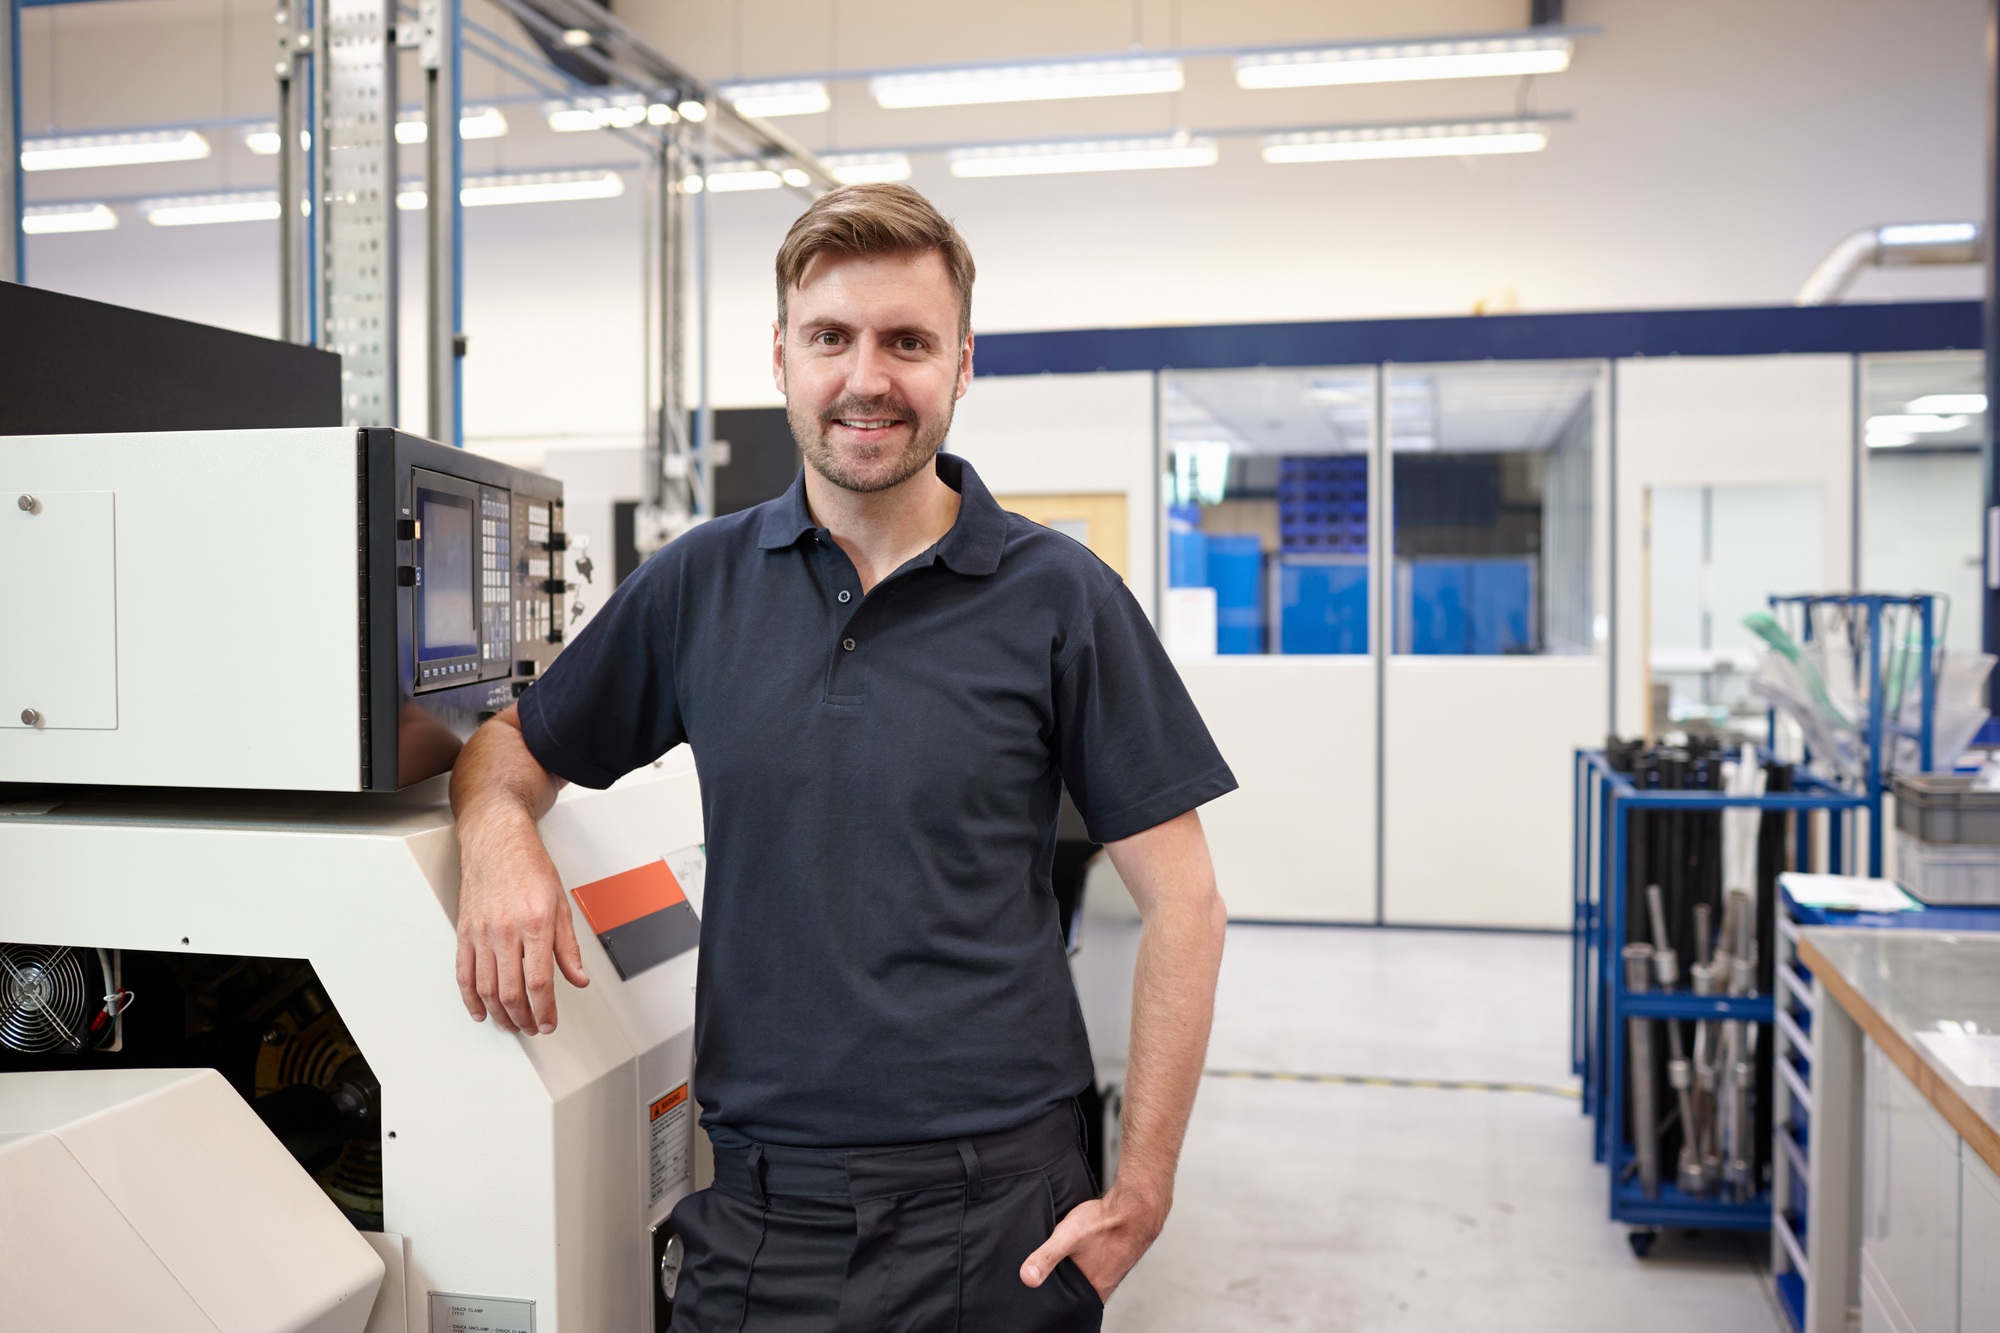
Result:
pixel 1601 1004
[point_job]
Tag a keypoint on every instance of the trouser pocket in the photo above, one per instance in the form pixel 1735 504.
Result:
pixel 719 1236
pixel 1002 1228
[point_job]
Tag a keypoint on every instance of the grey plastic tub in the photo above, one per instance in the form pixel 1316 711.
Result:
pixel 1942 808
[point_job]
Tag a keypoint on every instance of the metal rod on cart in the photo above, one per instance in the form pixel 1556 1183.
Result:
pixel 1645 1101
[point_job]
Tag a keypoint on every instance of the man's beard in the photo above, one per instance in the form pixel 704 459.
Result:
pixel 898 463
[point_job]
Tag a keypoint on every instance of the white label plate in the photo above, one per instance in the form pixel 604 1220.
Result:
pixel 452 1312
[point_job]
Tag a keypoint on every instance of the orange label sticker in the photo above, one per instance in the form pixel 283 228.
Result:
pixel 669 1102
pixel 610 903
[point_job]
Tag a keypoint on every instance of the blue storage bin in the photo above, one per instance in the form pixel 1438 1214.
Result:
pixel 1323 604
pixel 1187 559
pixel 1236 572
pixel 1477 607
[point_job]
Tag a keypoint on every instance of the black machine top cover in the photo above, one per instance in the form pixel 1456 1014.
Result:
pixel 70 366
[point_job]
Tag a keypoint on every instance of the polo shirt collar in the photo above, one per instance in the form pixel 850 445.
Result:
pixel 971 547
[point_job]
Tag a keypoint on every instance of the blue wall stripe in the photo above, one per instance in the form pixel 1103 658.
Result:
pixel 1917 326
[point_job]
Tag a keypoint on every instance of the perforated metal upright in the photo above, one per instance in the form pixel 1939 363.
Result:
pixel 336 71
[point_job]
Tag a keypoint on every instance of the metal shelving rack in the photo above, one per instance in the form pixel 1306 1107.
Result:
pixel 1601 1004
pixel 1799 613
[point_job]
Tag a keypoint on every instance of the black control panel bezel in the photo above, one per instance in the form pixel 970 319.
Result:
pixel 412 729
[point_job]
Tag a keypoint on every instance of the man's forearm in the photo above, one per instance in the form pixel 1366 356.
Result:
pixel 1173 1002
pixel 496 783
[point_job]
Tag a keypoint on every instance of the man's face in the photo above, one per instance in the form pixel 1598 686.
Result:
pixel 870 363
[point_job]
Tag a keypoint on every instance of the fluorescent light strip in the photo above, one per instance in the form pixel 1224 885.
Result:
pixel 201 209
pixel 1948 404
pixel 1062 158
pixel 1463 140
pixel 112 150
pixel 732 177
pixel 1027 83
pixel 1922 423
pixel 50 219
pixel 546 187
pixel 1927 233
pixel 1400 62
pixel 769 100
pixel 606 116
pixel 484 122
pixel 866 168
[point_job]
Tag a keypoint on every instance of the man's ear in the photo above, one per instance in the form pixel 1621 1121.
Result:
pixel 778 355
pixel 964 366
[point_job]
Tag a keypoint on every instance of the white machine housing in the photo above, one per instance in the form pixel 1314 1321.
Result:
pixel 517 1169
pixel 244 608
pixel 155 1199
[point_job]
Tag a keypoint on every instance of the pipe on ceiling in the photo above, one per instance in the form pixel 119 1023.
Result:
pixel 1894 246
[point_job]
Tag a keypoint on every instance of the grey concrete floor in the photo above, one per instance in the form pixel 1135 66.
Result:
pixel 1326 1206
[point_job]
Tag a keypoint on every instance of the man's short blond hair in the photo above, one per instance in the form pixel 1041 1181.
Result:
pixel 875 219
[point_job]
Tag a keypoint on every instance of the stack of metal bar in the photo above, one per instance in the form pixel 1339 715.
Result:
pixel 1703 890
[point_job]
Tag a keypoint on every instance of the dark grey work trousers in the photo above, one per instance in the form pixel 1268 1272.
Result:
pixel 922 1239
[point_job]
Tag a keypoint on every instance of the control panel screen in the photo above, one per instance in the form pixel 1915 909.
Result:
pixel 448 593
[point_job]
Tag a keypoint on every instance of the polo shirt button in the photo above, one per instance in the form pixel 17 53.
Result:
pixel 848 644
pixel 844 594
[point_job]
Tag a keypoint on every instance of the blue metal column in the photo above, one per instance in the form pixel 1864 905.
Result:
pixel 1990 328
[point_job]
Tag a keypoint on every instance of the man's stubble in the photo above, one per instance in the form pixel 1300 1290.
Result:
pixel 923 443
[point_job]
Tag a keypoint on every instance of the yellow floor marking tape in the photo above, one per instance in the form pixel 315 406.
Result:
pixel 1378 1081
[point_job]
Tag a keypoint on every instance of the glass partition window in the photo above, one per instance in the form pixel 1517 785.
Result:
pixel 1491 506
pixel 1267 510
pixel 1922 485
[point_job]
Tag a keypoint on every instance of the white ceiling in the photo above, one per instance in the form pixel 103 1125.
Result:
pixel 1476 407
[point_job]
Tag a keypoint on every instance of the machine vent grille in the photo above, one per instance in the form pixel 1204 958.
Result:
pixel 45 999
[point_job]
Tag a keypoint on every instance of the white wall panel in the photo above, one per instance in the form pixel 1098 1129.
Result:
pixel 1064 435
pixel 1727 421
pixel 1296 841
pixel 1476 790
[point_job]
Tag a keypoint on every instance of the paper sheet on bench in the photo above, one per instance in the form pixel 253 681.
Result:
pixel 1847 893
pixel 1973 1058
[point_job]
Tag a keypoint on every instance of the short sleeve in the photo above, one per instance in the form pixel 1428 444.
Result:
pixel 610 703
pixel 1133 750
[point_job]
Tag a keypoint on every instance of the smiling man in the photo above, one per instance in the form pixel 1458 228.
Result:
pixel 887 681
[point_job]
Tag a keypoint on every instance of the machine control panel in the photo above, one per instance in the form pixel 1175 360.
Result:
pixel 462 545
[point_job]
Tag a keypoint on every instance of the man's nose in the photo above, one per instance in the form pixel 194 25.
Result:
pixel 868 376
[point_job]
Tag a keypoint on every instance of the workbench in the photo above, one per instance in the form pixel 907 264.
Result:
pixel 1906 1223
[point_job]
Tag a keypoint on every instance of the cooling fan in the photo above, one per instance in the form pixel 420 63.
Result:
pixel 57 999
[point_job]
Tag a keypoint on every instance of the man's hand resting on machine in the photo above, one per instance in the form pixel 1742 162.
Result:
pixel 514 927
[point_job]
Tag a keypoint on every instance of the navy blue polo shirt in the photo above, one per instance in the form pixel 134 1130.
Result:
pixel 880 776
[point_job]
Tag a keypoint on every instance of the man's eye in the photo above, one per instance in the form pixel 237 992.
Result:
pixel 910 345
pixel 826 338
